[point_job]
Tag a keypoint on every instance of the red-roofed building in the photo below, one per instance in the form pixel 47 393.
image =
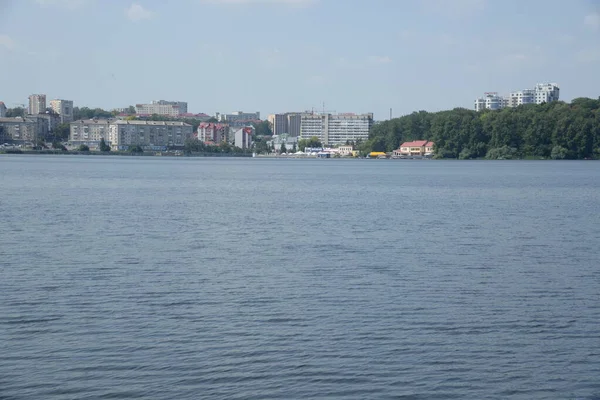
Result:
pixel 415 148
pixel 209 132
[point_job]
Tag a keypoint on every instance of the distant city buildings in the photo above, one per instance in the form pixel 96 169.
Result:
pixel 162 107
pixel 336 129
pixel 285 123
pixel 37 104
pixel 121 134
pixel 64 109
pixel 2 109
pixel 238 118
pixel 541 93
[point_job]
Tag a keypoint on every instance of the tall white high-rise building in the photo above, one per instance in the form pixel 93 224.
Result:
pixel 64 108
pixel 37 104
pixel 336 129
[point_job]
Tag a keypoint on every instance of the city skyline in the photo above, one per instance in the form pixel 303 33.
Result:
pixel 296 54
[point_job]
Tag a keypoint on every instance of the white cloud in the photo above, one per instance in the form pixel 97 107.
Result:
pixel 7 42
pixel 136 12
pixel 592 21
pixel 379 59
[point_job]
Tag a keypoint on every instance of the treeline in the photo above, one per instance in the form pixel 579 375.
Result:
pixel 552 130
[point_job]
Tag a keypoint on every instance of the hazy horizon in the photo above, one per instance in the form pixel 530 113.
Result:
pixel 294 55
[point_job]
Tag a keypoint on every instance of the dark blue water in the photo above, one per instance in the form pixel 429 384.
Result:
pixel 156 278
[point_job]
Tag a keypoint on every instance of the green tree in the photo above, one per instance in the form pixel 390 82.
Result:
pixel 16 112
pixel 103 146
pixel 558 153
pixel 262 128
pixel 283 149
pixel 136 149
pixel 294 150
pixel 83 147
pixel 62 131
pixel 59 146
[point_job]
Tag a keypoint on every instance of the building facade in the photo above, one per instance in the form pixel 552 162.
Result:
pixel 415 148
pixel 3 110
pixel 209 132
pixel 89 131
pixel 162 107
pixel 64 108
pixel 22 129
pixel 288 123
pixel 238 118
pixel 336 129
pixel 541 93
pixel 37 104
pixel 120 134
pixel 243 137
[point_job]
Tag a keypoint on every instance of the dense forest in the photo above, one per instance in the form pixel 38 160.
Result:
pixel 552 130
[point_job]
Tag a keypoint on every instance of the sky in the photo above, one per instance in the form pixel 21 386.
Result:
pixel 293 55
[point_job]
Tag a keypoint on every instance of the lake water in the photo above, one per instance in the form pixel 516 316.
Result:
pixel 163 278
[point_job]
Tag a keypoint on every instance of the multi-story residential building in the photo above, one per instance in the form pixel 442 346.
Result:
pixel 209 132
pixel 285 123
pixel 89 131
pixel 490 101
pixel 238 118
pixel 22 129
pixel 2 109
pixel 37 104
pixel 243 137
pixel 64 108
pixel 541 93
pixel 335 129
pixel 162 107
pixel 120 134
pixel 151 135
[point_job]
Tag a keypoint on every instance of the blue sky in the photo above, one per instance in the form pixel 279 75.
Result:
pixel 293 55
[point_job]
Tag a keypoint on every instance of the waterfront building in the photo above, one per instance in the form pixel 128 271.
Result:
pixel 3 110
pixel 120 134
pixel 150 135
pixel 209 132
pixel 89 131
pixel 243 137
pixel 64 108
pixel 162 107
pixel 22 129
pixel 238 118
pixel 284 139
pixel 37 104
pixel 336 129
pixel 415 148
pixel 541 93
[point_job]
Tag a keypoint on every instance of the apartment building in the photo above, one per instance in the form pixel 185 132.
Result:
pixel 243 137
pixel 162 107
pixel 336 129
pixel 120 134
pixel 64 109
pixel 238 118
pixel 209 132
pixel 288 123
pixel 37 104
pixel 23 129
pixel 541 93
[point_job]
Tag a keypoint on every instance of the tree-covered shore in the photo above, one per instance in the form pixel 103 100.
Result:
pixel 556 130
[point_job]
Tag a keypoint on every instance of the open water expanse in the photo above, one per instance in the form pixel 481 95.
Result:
pixel 204 278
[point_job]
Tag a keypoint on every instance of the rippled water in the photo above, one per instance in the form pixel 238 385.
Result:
pixel 128 278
